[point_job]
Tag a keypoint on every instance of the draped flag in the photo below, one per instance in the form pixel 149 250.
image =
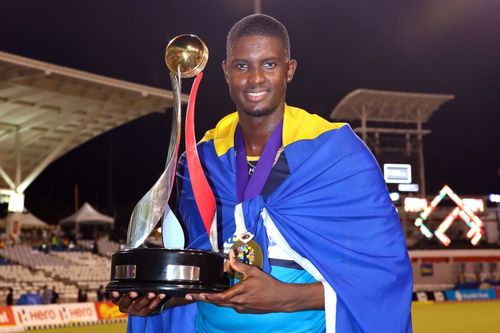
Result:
pixel 333 212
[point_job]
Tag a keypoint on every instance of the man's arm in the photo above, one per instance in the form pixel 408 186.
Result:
pixel 259 292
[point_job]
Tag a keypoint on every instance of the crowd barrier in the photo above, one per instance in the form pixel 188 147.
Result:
pixel 20 318
pixel 458 295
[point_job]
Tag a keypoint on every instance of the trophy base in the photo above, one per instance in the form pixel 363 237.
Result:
pixel 172 272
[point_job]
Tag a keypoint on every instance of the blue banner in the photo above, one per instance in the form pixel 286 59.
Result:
pixel 470 294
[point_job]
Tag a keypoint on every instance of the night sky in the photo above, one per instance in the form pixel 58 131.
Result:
pixel 428 46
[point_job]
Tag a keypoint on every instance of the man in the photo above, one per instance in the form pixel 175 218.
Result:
pixel 100 293
pixel 9 300
pixel 55 296
pixel 46 295
pixel 312 198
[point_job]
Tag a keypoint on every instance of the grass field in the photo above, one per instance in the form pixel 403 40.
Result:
pixel 476 317
pixel 110 328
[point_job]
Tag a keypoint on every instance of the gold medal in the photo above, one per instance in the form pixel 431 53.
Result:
pixel 248 252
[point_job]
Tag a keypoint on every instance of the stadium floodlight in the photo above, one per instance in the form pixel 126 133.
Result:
pixel 461 210
pixel 475 205
pixel 395 196
pixel 16 202
pixel 408 187
pixel 415 205
pixel 493 197
pixel 397 173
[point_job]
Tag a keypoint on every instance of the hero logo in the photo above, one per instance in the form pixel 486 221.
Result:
pixel 42 315
pixel 80 312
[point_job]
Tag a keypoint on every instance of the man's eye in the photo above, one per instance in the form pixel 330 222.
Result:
pixel 269 65
pixel 241 67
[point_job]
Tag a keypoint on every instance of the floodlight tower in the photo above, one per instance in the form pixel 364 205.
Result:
pixel 396 119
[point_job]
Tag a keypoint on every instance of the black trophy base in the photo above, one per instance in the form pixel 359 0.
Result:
pixel 173 272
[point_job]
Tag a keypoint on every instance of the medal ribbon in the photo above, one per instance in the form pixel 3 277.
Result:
pixel 247 186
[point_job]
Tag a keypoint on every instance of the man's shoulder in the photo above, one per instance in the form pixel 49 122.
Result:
pixel 223 128
pixel 300 124
pixel 221 137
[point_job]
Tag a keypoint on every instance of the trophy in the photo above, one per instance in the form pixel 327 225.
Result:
pixel 172 269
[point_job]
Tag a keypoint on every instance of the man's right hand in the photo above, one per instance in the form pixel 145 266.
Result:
pixel 136 305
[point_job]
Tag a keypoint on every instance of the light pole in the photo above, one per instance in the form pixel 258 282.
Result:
pixel 256 7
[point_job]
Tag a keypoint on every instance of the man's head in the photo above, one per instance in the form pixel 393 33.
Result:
pixel 258 66
pixel 261 25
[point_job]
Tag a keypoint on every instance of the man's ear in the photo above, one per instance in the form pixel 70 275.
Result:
pixel 292 66
pixel 224 69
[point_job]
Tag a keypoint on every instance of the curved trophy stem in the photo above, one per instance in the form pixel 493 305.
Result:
pixel 152 205
pixel 172 232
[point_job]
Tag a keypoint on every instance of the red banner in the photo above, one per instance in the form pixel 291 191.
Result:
pixel 7 317
pixel 108 310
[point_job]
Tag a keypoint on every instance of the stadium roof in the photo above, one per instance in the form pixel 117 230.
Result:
pixel 47 110
pixel 388 106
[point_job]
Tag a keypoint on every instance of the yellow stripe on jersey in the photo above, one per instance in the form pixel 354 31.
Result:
pixel 297 125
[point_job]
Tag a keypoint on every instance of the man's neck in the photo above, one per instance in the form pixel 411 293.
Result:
pixel 257 130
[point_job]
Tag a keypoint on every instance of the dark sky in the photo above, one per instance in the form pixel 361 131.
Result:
pixel 431 46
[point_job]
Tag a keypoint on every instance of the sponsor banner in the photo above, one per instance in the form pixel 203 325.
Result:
pixel 35 315
pixel 8 322
pixel 422 296
pixel 439 296
pixel 79 312
pixel 108 310
pixel 471 294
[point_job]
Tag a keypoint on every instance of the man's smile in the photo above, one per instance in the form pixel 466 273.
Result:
pixel 256 96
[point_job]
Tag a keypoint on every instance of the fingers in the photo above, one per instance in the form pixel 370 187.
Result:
pixel 245 270
pixel 136 305
pixel 115 297
pixel 140 305
pixel 157 301
pixel 196 297
pixel 126 300
pixel 220 298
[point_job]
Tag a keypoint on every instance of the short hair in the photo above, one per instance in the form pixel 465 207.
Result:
pixel 261 25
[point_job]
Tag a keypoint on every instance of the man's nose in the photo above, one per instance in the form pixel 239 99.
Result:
pixel 256 76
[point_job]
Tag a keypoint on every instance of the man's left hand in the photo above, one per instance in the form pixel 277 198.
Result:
pixel 258 292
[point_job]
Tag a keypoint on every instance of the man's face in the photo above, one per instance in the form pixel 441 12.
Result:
pixel 257 71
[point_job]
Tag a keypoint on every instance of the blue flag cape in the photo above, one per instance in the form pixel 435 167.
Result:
pixel 333 210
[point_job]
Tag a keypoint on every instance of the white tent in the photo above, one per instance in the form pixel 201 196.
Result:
pixel 28 221
pixel 87 215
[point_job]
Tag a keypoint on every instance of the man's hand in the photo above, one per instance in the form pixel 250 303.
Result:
pixel 259 292
pixel 136 305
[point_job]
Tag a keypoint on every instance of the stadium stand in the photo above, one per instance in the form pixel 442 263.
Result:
pixel 26 269
pixel 26 256
pixel 106 247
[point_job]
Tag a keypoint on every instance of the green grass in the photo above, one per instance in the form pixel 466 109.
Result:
pixel 475 317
